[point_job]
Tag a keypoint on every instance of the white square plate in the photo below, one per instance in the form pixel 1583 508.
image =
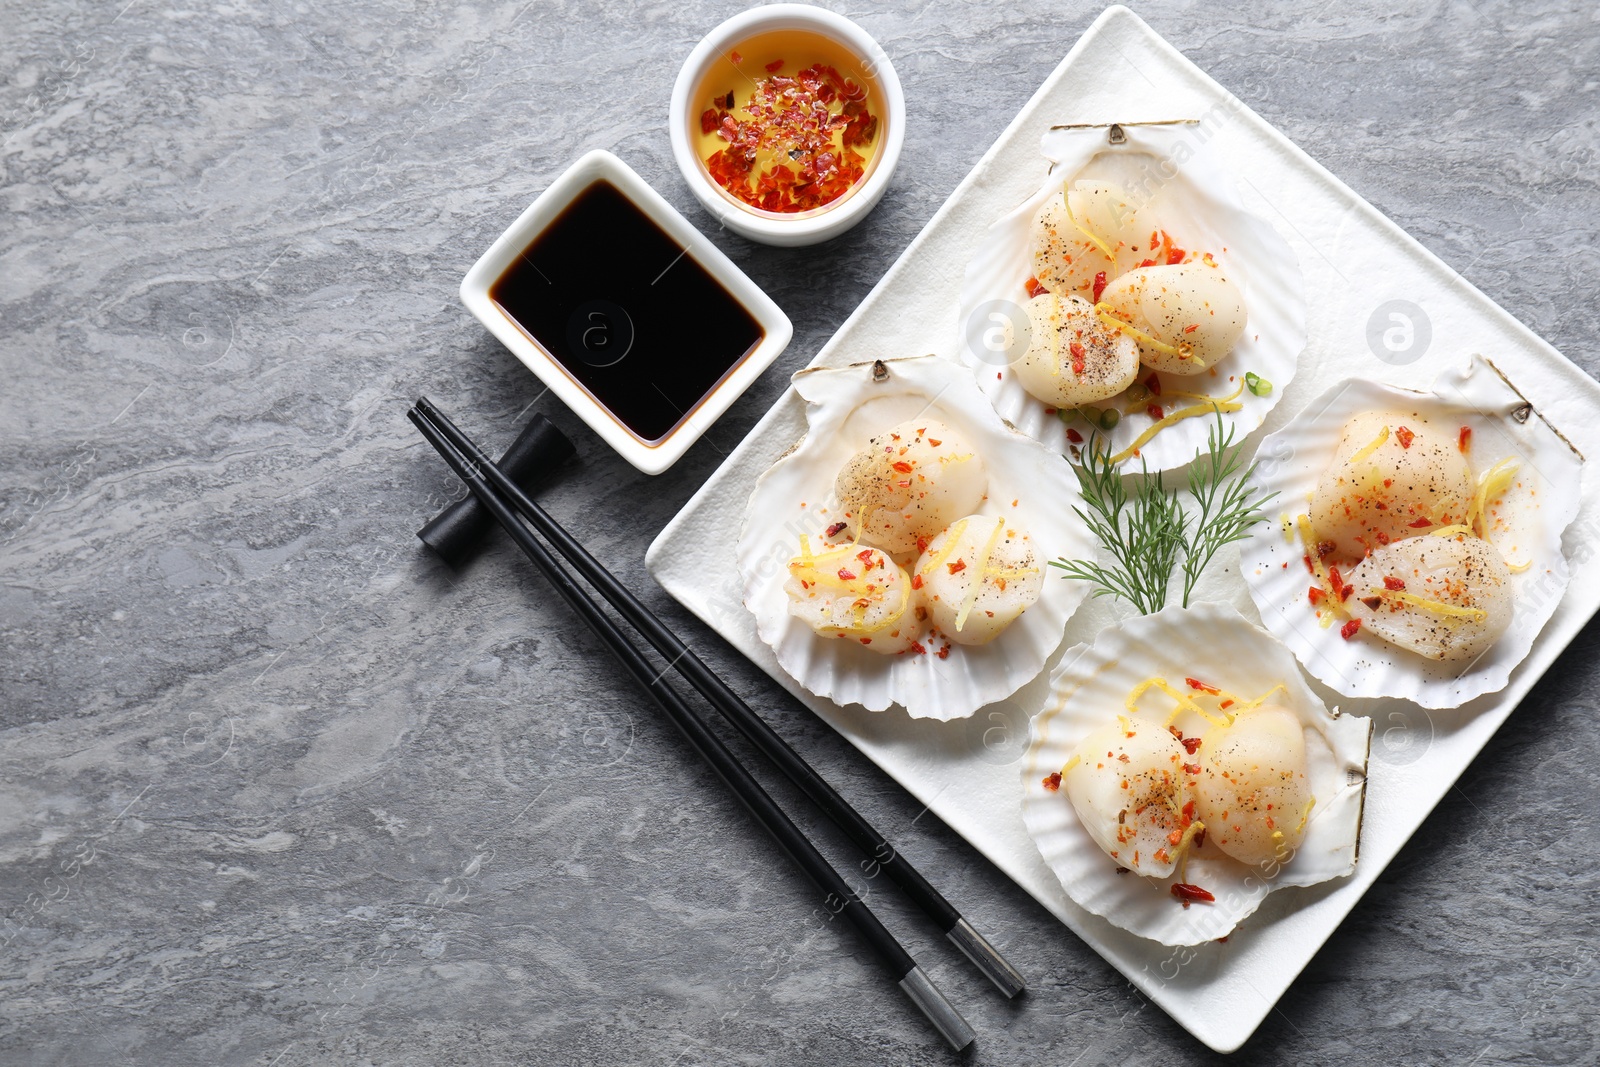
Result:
pixel 1354 261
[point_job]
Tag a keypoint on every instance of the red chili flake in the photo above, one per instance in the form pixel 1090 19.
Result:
pixel 1315 595
pixel 903 467
pixel 916 646
pixel 846 576
pixel 1191 768
pixel 934 442
pixel 1153 384
pixel 1195 683
pixel 1034 288
pixel 1348 630
pixel 1405 436
pixel 1464 441
pixel 1382 537
pixel 922 544
pixel 735 58
pixel 1155 412
pixel 1074 436
pixel 1191 328
pixel 1421 524
pixel 1306 559
pixel 1391 582
pixel 866 640
pixel 1188 813
pixel 1336 586
pixel 1191 745
pixel 957 567
pixel 1052 781
pixel 865 556
pixel 1079 358
pixel 1225 705
pixel 916 581
pixel 835 529
pixel 1191 894
pixel 1099 285
pixel 944 653
pixel 775 66
pixel 1160 239
pixel 708 120
pixel 1326 549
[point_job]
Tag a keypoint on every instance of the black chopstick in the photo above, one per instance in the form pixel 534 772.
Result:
pixel 742 716
pixel 840 898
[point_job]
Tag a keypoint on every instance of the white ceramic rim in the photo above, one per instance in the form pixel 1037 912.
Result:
pixel 651 458
pixel 826 223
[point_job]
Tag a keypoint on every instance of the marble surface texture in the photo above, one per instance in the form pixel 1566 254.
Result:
pixel 277 788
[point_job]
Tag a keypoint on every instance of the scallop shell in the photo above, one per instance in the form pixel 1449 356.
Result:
pixel 1200 206
pixel 845 407
pixel 1542 506
pixel 1090 685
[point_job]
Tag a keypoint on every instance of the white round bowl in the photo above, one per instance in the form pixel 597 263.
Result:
pixel 832 219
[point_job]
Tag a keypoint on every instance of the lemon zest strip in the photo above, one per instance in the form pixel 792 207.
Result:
pixel 1454 611
pixel 1309 537
pixel 1305 813
pixel 1185 702
pixel 952 538
pixel 1185 844
pixel 1066 202
pixel 1243 706
pixel 979 573
pixel 1108 318
pixel 1226 403
pixel 1371 446
pixel 1491 483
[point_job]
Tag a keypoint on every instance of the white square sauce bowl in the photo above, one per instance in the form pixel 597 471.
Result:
pixel 628 313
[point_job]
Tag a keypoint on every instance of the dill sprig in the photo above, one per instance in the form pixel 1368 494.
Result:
pixel 1226 503
pixel 1146 532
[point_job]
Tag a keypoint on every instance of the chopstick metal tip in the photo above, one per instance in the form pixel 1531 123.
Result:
pixel 987 959
pixel 932 1003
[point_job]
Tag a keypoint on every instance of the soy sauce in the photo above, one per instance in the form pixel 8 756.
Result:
pixel 627 312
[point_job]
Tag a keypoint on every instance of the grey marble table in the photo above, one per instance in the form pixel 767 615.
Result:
pixel 278 788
